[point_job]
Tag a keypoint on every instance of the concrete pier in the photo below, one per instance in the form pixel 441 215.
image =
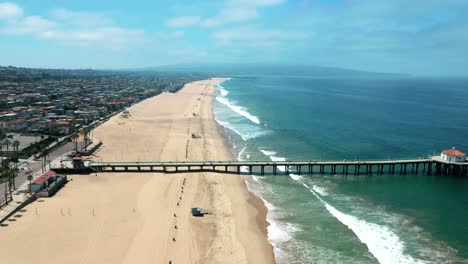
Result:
pixel 416 166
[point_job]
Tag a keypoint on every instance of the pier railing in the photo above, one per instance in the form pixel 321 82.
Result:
pixel 409 166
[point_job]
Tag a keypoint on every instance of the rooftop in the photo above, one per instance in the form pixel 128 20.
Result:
pixel 453 152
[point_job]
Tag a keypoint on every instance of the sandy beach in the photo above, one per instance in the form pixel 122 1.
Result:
pixel 145 217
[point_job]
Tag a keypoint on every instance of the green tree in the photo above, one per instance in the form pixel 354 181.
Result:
pixel 74 138
pixel 16 145
pixel 7 144
pixel 7 176
pixel 1 149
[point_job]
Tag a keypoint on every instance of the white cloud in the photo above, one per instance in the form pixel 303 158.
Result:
pixel 184 21
pixel 10 11
pixel 178 34
pixel 231 14
pixel 233 11
pixel 251 34
pixel 31 25
pixel 74 28
pixel 80 18
pixel 256 2
pixel 115 36
pixel 165 36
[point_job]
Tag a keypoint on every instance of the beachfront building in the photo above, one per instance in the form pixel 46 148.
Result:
pixel 47 184
pixel 453 155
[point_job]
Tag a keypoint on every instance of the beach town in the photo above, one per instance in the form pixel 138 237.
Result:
pixel 148 218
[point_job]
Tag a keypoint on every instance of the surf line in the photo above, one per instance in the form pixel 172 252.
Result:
pixel 381 242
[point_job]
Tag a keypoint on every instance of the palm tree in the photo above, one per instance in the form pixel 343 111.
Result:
pixel 12 173
pixel 83 136
pixel 74 138
pixel 7 143
pixel 3 178
pixel 1 149
pixel 87 132
pixel 6 176
pixel 44 154
pixel 30 178
pixel 16 145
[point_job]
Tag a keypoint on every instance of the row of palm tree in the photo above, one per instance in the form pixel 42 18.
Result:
pixel 7 143
pixel 83 133
pixel 7 176
pixel 8 173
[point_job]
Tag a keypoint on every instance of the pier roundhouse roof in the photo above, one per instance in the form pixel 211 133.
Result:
pixel 454 152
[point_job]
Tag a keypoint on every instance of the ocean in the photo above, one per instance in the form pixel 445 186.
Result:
pixel 353 219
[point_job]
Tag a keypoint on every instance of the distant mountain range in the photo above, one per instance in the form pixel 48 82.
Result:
pixel 269 69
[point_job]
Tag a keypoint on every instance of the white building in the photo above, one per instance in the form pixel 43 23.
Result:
pixel 453 155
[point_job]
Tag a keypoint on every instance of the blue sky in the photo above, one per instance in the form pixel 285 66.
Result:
pixel 422 37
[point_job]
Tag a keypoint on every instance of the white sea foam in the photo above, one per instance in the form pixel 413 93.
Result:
pixel 267 152
pixel 271 155
pixel 238 109
pixel 278 232
pixel 223 91
pixel 381 242
pixel 231 127
pixel 246 133
pixel 241 153
pixel 295 177
pixel 320 190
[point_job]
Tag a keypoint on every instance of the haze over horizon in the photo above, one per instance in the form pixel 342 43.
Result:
pixel 417 37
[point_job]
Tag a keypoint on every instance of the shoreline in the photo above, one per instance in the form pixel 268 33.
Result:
pixel 254 200
pixel 146 217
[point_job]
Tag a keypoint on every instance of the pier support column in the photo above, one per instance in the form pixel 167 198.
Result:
pixel 250 169
pixel 274 169
pixel 310 169
pixel 263 170
pixel 238 169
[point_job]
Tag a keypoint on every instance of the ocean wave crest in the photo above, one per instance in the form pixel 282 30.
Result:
pixel 238 109
pixel 381 242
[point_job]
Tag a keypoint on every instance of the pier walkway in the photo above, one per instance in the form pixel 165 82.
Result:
pixel 429 166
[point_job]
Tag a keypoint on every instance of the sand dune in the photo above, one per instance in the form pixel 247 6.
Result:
pixel 145 217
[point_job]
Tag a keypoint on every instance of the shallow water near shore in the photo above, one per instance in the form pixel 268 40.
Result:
pixel 353 219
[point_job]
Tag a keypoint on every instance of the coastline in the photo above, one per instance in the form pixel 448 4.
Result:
pixel 254 200
pixel 145 217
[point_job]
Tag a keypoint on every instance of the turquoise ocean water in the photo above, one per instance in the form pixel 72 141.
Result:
pixel 353 219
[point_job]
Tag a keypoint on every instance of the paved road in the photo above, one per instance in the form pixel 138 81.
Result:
pixel 35 166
